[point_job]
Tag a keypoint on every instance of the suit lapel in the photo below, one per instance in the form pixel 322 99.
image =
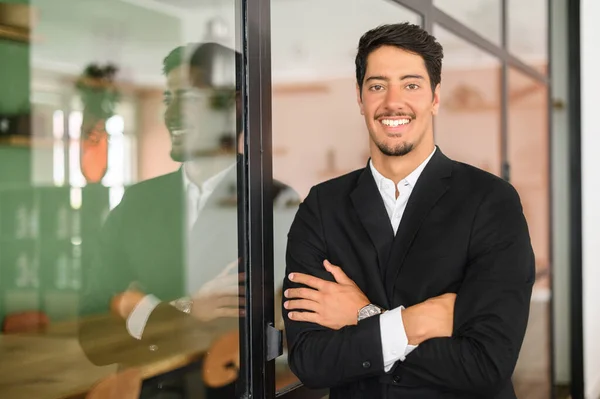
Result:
pixel 224 195
pixel 430 187
pixel 372 214
pixel 172 230
pixel 173 204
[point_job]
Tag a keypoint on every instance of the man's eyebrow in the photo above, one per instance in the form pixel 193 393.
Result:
pixel 386 79
pixel 377 78
pixel 412 77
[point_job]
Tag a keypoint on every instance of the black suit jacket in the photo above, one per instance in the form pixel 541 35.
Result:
pixel 463 231
pixel 144 240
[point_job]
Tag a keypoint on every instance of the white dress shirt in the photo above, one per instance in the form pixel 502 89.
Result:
pixel 196 198
pixel 394 341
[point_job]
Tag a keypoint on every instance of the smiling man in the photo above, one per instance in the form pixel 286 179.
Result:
pixel 167 257
pixel 411 277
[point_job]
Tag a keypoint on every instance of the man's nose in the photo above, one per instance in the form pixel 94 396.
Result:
pixel 394 98
pixel 173 112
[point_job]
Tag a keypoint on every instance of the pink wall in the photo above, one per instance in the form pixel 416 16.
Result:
pixel 318 133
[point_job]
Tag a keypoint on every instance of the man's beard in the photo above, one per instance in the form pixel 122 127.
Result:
pixel 400 149
pixel 184 154
pixel 177 156
pixel 395 151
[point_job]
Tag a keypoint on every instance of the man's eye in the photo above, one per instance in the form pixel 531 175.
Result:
pixel 192 97
pixel 376 87
pixel 412 86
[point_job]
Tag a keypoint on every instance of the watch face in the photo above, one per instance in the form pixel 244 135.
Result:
pixel 368 311
pixel 184 305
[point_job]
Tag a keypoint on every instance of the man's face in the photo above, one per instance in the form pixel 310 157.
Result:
pixel 397 101
pixel 194 126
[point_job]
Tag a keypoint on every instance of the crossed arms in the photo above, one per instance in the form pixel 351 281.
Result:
pixel 468 342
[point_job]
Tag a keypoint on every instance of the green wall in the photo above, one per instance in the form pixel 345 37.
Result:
pixel 14 74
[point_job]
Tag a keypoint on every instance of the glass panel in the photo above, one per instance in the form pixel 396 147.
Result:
pixel 482 16
pixel 527 24
pixel 468 127
pixel 528 146
pixel 315 115
pixel 119 263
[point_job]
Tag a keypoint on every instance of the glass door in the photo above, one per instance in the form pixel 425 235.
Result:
pixel 495 66
pixel 123 242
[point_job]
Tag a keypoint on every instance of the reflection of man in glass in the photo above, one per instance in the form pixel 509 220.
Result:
pixel 168 257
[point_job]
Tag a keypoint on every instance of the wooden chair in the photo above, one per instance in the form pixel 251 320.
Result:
pixel 25 322
pixel 222 361
pixel 125 384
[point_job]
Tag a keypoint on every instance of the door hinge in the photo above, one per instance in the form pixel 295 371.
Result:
pixel 274 342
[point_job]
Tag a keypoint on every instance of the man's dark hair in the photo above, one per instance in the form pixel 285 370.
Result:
pixel 203 56
pixel 405 36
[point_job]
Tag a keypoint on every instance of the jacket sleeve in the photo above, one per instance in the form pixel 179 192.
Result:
pixel 104 337
pixel 321 357
pixel 492 306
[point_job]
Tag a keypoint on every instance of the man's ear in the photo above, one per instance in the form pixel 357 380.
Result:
pixel 359 99
pixel 436 100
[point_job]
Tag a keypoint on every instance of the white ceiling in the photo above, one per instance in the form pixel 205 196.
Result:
pixel 311 39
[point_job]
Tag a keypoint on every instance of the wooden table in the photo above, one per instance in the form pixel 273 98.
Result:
pixel 52 365
pixel 45 367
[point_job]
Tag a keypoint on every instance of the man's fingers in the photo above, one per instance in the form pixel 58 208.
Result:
pixel 444 297
pixel 302 304
pixel 228 312
pixel 308 317
pixel 229 268
pixel 208 293
pixel 303 293
pixel 229 281
pixel 449 299
pixel 337 273
pixel 310 281
pixel 229 301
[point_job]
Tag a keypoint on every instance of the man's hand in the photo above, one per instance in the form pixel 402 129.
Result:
pixel 221 297
pixel 123 304
pixel 331 305
pixel 433 318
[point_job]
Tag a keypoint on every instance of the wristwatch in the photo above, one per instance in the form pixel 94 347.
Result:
pixel 369 310
pixel 183 304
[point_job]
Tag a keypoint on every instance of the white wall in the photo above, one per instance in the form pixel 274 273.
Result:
pixel 590 165
pixel 73 33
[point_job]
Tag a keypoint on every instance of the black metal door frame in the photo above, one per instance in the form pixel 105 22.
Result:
pixel 254 42
pixel 575 212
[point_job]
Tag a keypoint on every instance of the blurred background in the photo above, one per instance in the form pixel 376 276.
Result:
pixel 505 108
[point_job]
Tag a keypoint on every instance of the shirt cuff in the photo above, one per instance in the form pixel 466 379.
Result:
pixel 136 322
pixel 394 341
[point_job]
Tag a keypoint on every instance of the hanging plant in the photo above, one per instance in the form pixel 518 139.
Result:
pixel 100 96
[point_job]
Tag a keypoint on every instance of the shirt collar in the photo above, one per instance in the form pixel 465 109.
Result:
pixel 411 179
pixel 209 185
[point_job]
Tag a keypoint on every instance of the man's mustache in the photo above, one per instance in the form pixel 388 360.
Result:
pixel 396 115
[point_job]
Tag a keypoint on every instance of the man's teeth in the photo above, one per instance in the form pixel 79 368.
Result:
pixel 179 132
pixel 395 122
